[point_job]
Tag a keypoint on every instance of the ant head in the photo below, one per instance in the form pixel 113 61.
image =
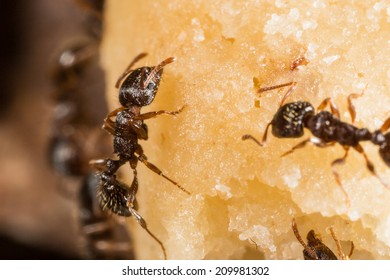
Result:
pixel 132 91
pixel 140 87
pixel 113 194
pixel 384 149
pixel 289 120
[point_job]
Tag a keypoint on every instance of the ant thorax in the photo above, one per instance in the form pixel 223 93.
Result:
pixel 330 129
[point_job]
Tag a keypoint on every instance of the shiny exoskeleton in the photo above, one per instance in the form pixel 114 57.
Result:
pixel 137 90
pixel 327 128
pixel 316 250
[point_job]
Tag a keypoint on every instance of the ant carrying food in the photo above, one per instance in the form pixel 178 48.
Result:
pixel 137 90
pixel 316 250
pixel 327 129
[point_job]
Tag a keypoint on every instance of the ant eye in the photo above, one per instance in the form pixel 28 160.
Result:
pixel 150 86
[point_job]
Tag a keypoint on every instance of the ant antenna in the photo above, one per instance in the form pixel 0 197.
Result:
pixel 309 250
pixel 128 68
pixel 338 245
pixel 156 70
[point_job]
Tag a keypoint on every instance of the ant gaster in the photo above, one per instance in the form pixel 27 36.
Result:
pixel 316 250
pixel 327 129
pixel 137 90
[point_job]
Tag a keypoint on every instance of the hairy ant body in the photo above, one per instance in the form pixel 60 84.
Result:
pixel 327 128
pixel 316 250
pixel 137 90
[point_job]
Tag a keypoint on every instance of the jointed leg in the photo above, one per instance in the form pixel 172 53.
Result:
pixel 154 114
pixel 142 223
pixel 336 174
pixel 313 140
pixel 385 126
pixel 351 107
pixel 109 125
pixel 369 165
pixel 289 91
pixel 155 169
pixel 248 136
pixel 333 107
pixel 142 158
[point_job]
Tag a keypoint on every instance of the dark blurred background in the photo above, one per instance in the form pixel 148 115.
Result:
pixel 39 208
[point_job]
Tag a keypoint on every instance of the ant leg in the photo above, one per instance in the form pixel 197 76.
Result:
pixel 351 251
pixel 159 172
pixel 133 190
pixel 142 158
pixel 309 250
pixel 314 140
pixel 385 126
pixel 142 223
pixel 156 70
pixel 109 125
pixel 333 107
pixel 128 68
pixel 150 115
pixel 289 91
pixel 351 107
pixel 298 146
pixel 336 174
pixel 261 144
pixel 369 164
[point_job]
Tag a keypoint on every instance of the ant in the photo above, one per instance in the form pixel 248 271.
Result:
pixel 316 250
pixel 137 90
pixel 327 129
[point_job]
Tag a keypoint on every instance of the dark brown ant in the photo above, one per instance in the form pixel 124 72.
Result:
pixel 316 250
pixel 137 90
pixel 327 129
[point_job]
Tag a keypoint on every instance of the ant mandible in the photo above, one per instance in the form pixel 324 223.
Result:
pixel 327 129
pixel 316 250
pixel 137 90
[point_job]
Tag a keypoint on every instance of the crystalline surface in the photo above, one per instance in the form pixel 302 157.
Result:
pixel 243 193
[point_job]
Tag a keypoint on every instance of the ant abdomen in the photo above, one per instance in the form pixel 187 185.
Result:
pixel 134 92
pixel 114 194
pixel 289 120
